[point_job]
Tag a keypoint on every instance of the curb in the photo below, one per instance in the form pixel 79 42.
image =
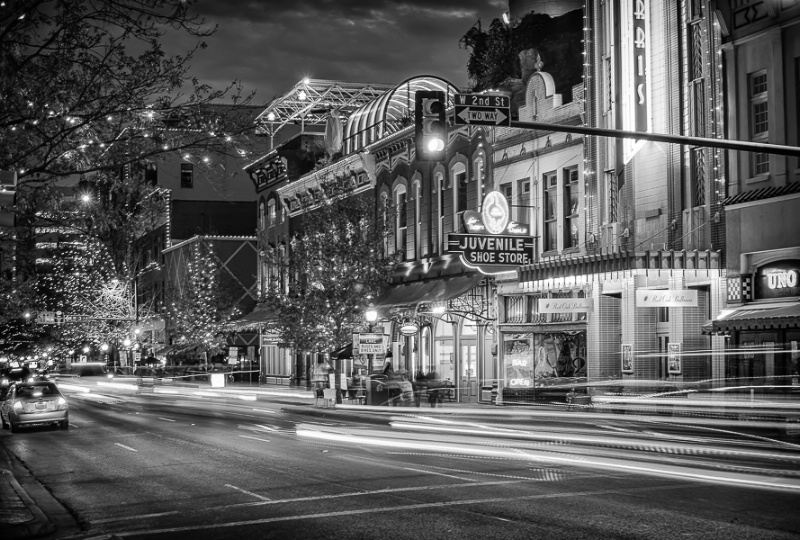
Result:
pixel 37 525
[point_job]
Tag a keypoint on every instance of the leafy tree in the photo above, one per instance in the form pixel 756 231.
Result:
pixel 200 305
pixel 336 264
pixel 494 52
pixel 96 306
pixel 87 92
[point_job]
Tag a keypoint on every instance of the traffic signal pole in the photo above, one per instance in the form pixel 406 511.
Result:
pixel 744 146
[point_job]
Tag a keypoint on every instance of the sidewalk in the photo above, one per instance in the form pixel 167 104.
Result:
pixel 20 517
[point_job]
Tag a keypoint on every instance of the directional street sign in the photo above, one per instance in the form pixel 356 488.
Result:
pixel 482 109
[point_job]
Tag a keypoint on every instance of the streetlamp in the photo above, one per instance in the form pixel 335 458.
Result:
pixel 371 315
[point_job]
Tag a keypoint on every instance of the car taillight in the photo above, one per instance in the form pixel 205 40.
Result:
pixel 61 403
pixel 17 405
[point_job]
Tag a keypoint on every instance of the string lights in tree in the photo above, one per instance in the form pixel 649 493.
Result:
pixel 199 308
pixel 336 265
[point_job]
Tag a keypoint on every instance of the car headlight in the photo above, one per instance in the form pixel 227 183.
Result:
pixel 32 379
pixel 61 404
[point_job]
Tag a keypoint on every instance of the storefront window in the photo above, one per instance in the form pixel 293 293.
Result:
pixel 425 364
pixel 518 360
pixel 560 354
pixel 444 352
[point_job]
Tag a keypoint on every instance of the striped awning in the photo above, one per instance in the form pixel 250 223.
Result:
pixel 753 317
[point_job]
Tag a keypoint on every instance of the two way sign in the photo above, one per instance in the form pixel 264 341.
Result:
pixel 482 109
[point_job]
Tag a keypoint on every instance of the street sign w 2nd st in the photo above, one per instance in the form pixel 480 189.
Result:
pixel 482 109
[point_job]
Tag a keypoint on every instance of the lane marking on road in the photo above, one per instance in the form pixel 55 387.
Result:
pixel 254 438
pixel 398 508
pixel 438 474
pixel 166 419
pixel 266 410
pixel 126 447
pixel 256 495
pixel 137 517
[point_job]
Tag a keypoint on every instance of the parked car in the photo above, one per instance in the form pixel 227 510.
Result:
pixel 87 369
pixel 34 403
pixel 11 375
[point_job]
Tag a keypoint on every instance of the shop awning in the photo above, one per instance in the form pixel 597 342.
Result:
pixel 757 318
pixel 343 353
pixel 163 351
pixel 260 315
pixel 431 291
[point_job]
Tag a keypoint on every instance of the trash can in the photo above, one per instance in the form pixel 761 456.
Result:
pixel 377 390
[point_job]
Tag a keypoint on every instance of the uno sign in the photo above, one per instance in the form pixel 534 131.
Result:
pixel 782 279
pixel 778 280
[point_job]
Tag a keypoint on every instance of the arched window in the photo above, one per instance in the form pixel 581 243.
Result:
pixel 384 214
pixel 478 171
pixel 272 215
pixel 261 219
pixel 401 220
pixel 459 179
pixel 440 198
pixel 418 249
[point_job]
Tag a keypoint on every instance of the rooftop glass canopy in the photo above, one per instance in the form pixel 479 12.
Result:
pixel 309 101
pixel 390 112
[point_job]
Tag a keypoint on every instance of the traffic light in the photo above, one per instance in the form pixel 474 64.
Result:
pixel 8 197
pixel 430 123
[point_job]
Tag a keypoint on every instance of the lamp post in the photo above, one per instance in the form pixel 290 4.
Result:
pixel 371 315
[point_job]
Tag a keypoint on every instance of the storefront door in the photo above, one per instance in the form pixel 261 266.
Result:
pixel 755 361
pixel 468 384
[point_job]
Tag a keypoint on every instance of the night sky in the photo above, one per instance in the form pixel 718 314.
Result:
pixel 269 45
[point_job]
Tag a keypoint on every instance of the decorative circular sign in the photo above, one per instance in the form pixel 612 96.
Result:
pixel 409 329
pixel 495 212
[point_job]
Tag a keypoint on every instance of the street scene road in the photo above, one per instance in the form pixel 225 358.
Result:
pixel 205 463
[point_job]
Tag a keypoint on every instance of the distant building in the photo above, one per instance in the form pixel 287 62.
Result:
pixel 206 194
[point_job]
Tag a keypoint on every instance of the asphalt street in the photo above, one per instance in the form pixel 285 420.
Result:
pixel 204 463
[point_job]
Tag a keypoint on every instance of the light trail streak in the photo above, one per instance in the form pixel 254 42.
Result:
pixel 670 471
pixel 634 443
